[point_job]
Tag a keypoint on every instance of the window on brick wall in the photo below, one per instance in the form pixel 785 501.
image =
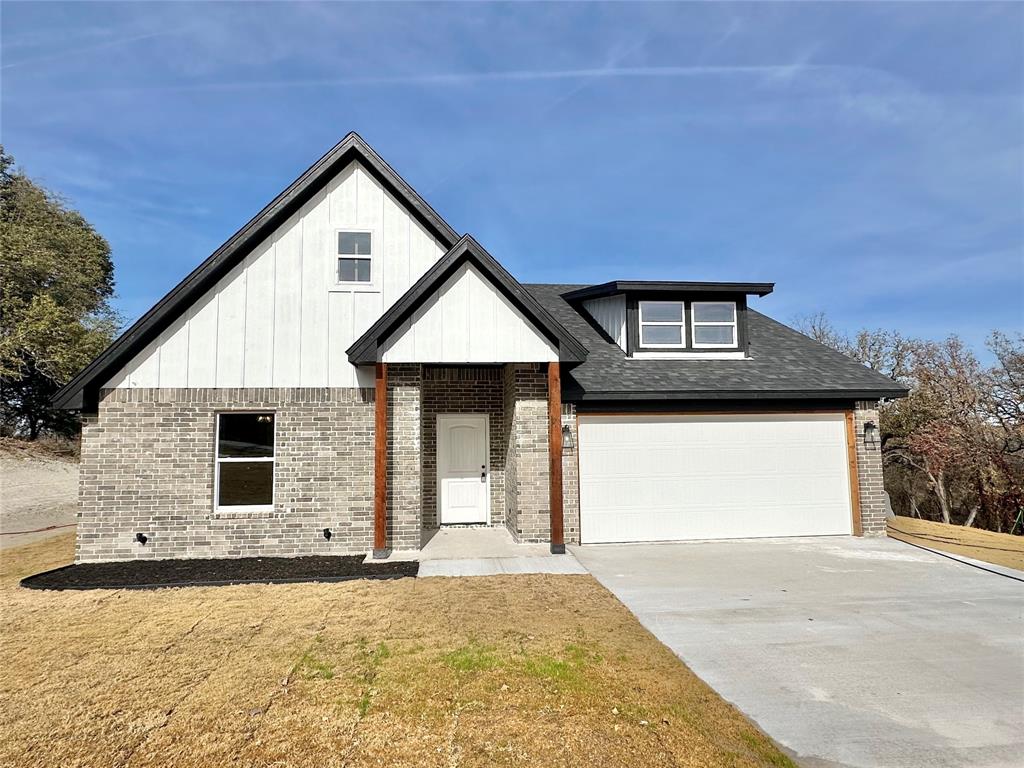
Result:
pixel 245 462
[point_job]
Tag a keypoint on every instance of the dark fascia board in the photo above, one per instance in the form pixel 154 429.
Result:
pixel 83 390
pixel 666 286
pixel 365 350
pixel 576 395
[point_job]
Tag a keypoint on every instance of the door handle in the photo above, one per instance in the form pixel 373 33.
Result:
pixel 483 474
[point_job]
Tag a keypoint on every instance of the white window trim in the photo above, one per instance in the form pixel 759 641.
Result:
pixel 217 461
pixel 375 262
pixel 681 324
pixel 734 324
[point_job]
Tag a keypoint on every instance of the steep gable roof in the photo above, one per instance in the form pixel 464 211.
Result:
pixel 83 391
pixel 366 349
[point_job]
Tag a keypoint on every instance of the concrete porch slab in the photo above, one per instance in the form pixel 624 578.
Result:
pixel 459 543
pixel 497 566
pixel 482 551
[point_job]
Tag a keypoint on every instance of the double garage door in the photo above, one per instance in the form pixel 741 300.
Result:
pixel 678 477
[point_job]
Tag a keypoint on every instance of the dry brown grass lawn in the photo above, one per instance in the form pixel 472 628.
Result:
pixel 508 670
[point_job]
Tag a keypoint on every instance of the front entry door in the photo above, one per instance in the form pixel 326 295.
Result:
pixel 463 479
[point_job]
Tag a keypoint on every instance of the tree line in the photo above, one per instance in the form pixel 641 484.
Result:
pixel 56 282
pixel 953 450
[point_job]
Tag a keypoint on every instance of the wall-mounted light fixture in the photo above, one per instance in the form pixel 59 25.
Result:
pixel 327 534
pixel 870 435
pixel 141 538
pixel 568 443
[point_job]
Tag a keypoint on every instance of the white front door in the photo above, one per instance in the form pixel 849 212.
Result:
pixel 463 477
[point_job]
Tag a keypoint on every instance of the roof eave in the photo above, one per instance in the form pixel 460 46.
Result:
pixel 578 394
pixel 664 286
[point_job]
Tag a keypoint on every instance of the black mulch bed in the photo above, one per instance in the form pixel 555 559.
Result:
pixel 207 572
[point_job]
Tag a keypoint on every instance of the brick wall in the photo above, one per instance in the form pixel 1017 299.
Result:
pixel 570 477
pixel 464 390
pixel 527 513
pixel 869 471
pixel 148 466
pixel 405 490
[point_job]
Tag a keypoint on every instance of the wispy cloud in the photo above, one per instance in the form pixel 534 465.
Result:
pixel 774 72
pixel 87 49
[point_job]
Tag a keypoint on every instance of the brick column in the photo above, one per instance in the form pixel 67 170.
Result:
pixel 869 470
pixel 570 478
pixel 526 473
pixel 404 456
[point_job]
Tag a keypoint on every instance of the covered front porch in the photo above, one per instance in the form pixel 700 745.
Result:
pixel 467 406
pixel 467 448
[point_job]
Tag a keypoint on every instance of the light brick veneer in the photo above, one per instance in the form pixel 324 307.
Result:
pixel 527 509
pixel 464 390
pixel 869 471
pixel 570 477
pixel 148 465
pixel 405 489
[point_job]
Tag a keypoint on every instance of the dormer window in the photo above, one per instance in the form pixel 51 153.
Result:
pixel 662 324
pixel 355 257
pixel 714 324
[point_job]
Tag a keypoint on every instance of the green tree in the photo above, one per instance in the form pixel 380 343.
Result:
pixel 56 281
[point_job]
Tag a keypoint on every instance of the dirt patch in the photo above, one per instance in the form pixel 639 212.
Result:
pixel 150 574
pixel 38 492
pixel 506 670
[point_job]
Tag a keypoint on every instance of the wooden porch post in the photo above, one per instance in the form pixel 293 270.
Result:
pixel 555 457
pixel 851 456
pixel 380 462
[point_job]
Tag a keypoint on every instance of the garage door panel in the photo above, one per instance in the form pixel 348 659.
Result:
pixel 669 478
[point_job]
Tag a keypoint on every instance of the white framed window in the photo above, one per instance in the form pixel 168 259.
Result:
pixel 662 324
pixel 713 324
pixel 355 249
pixel 244 477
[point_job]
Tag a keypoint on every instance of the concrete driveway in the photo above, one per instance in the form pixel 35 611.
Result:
pixel 852 652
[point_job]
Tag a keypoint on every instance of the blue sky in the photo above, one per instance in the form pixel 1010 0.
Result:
pixel 868 158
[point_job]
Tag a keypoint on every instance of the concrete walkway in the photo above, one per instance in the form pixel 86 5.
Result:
pixel 484 551
pixel 848 652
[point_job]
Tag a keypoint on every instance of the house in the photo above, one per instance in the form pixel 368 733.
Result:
pixel 347 370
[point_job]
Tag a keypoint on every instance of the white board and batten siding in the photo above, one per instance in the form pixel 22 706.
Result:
pixel 680 477
pixel 279 319
pixel 610 314
pixel 468 320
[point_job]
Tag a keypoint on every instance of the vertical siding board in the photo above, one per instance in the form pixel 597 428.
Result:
pixel 259 317
pixel 202 346
pixel 340 373
pixel 147 370
pixel 231 328
pixel 317 274
pixel 394 250
pixel 610 314
pixel 288 305
pixel 174 354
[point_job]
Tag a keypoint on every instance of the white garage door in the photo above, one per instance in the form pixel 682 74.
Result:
pixel 670 478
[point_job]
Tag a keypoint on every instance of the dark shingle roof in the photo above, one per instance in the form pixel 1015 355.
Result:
pixel 783 364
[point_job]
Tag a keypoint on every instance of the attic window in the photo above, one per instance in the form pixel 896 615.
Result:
pixel 714 324
pixel 662 324
pixel 355 257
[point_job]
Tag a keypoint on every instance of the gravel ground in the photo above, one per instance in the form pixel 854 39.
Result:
pixel 36 492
